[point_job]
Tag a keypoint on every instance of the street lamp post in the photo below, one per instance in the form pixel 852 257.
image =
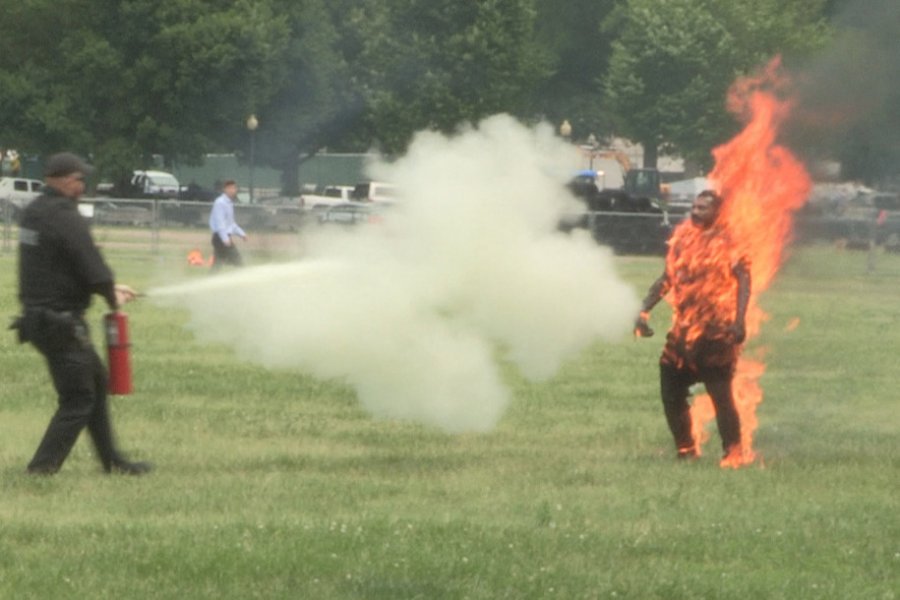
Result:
pixel 592 142
pixel 252 124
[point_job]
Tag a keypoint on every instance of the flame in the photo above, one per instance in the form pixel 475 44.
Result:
pixel 762 184
pixel 747 395
pixel 195 259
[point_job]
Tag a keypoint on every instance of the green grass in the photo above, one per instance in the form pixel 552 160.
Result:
pixel 276 485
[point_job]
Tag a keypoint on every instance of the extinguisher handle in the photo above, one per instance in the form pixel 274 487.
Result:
pixel 124 294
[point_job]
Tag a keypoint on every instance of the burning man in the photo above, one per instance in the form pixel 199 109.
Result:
pixel 708 285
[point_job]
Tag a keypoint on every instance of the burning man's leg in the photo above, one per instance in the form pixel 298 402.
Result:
pixel 674 386
pixel 718 384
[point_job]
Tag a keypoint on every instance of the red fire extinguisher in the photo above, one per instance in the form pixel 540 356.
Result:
pixel 118 351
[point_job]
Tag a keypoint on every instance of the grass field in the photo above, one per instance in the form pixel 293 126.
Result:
pixel 276 485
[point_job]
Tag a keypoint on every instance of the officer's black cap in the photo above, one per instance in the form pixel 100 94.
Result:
pixel 66 163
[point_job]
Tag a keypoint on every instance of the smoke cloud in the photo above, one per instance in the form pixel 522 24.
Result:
pixel 849 93
pixel 467 268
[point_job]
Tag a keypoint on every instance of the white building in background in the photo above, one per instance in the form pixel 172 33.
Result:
pixel 611 160
pixel 635 153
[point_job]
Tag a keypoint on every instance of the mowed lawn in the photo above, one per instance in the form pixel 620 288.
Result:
pixel 277 485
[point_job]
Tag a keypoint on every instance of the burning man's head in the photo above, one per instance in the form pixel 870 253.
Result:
pixel 705 208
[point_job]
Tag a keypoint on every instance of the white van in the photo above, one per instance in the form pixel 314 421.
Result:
pixel 17 192
pixel 155 183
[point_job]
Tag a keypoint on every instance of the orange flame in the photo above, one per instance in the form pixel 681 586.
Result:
pixel 762 184
pixel 195 259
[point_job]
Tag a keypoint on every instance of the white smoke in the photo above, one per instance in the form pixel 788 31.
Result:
pixel 468 265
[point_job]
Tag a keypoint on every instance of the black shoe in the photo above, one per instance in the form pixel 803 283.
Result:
pixel 124 467
pixel 687 454
pixel 42 470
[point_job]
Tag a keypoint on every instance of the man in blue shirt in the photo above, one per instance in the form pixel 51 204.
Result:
pixel 224 228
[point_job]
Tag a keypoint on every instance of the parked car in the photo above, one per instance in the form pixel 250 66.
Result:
pixel 351 213
pixel 194 191
pixel 156 183
pixel 331 195
pixel 375 191
pixel 870 217
pixel 629 224
pixel 143 184
pixel 17 192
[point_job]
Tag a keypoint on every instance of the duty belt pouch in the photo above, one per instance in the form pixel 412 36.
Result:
pixel 19 325
pixel 53 329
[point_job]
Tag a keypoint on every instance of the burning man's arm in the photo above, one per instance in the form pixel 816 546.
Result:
pixel 742 274
pixel 654 295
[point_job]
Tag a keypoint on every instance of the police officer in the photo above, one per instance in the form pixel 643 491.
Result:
pixel 60 267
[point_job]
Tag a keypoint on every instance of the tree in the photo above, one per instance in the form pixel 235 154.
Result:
pixel 440 63
pixel 576 47
pixel 318 102
pixel 673 62
pixel 124 80
pixel 37 72
pixel 129 79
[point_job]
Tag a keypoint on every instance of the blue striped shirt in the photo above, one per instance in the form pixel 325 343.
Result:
pixel 221 219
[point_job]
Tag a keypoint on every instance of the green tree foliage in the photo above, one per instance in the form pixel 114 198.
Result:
pixel 316 102
pixel 673 61
pixel 439 63
pixel 576 45
pixel 122 80
pixel 125 80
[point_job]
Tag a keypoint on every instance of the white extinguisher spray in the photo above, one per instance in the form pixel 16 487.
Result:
pixel 118 352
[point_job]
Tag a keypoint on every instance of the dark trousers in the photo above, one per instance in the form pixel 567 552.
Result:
pixel 80 380
pixel 223 254
pixel 675 383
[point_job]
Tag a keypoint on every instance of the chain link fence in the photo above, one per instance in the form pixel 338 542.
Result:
pixel 158 226
pixel 633 233
pixel 173 226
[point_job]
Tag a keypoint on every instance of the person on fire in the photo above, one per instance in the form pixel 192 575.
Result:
pixel 60 268
pixel 708 285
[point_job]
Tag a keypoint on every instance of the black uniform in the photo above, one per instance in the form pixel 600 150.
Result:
pixel 60 268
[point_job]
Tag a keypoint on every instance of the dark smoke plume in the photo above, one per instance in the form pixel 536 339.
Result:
pixel 849 95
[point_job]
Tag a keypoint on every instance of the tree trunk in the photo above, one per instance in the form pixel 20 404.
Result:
pixel 651 155
pixel 290 175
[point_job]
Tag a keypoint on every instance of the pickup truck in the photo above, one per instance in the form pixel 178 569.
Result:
pixel 330 196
